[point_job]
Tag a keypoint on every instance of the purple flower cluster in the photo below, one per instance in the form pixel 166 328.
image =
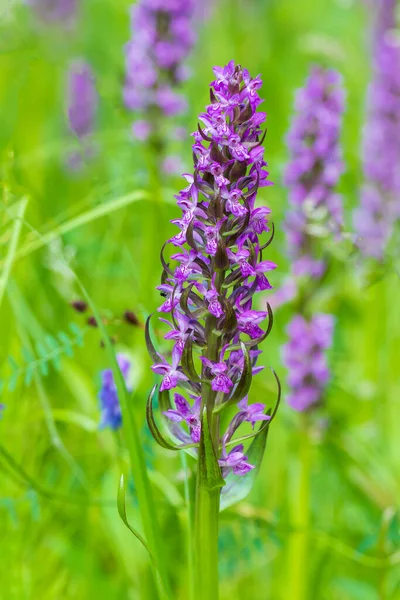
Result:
pixel 380 195
pixel 82 100
pixel 304 356
pixel 220 266
pixel 315 167
pixel 162 37
pixel 111 415
pixel 316 212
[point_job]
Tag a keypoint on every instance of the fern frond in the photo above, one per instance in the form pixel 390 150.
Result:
pixel 47 354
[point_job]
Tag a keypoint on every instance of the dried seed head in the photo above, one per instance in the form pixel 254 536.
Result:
pixel 131 318
pixel 92 321
pixel 79 305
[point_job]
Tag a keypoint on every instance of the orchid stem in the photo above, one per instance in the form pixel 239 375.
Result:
pixel 206 542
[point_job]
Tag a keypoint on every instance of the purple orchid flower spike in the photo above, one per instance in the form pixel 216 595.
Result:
pixel 82 99
pixel 235 461
pixel 162 38
pixel 216 322
pixel 220 264
pixel 379 210
pixel 81 109
pixel 314 171
pixel 187 413
pixel 315 213
pixel 304 356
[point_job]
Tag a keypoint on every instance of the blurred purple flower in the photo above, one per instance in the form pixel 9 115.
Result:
pixel 141 130
pixel 162 37
pixel 172 165
pixel 380 195
pixel 111 415
pixel 315 167
pixel 304 357
pixel 81 99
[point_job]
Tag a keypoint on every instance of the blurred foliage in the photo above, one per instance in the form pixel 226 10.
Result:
pixel 322 521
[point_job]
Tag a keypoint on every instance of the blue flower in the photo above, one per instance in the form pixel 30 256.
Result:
pixel 111 415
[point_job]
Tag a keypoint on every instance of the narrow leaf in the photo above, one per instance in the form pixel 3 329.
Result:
pixel 155 432
pixel 62 336
pixel 230 320
pixel 122 513
pixel 165 264
pixel 13 363
pixel 187 361
pixel 209 469
pixel 149 344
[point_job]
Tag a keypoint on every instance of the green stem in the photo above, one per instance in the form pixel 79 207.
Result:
pixel 189 497
pixel 206 542
pixel 208 496
pixel 206 519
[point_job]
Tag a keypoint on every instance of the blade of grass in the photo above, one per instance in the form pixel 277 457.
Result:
pixel 83 219
pixel 12 247
pixel 138 464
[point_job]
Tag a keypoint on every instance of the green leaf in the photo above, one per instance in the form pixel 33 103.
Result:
pixel 27 354
pixel 101 210
pixel 30 369
pixel 44 357
pixel 187 361
pixel 155 432
pixel 149 344
pixel 238 487
pixel 62 336
pixel 51 342
pixel 230 321
pixel 164 263
pixel 75 418
pixel 209 469
pixel 122 513
pixel 13 363
pixel 12 383
pixel 77 332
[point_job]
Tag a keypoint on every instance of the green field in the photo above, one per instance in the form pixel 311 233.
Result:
pixel 322 521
